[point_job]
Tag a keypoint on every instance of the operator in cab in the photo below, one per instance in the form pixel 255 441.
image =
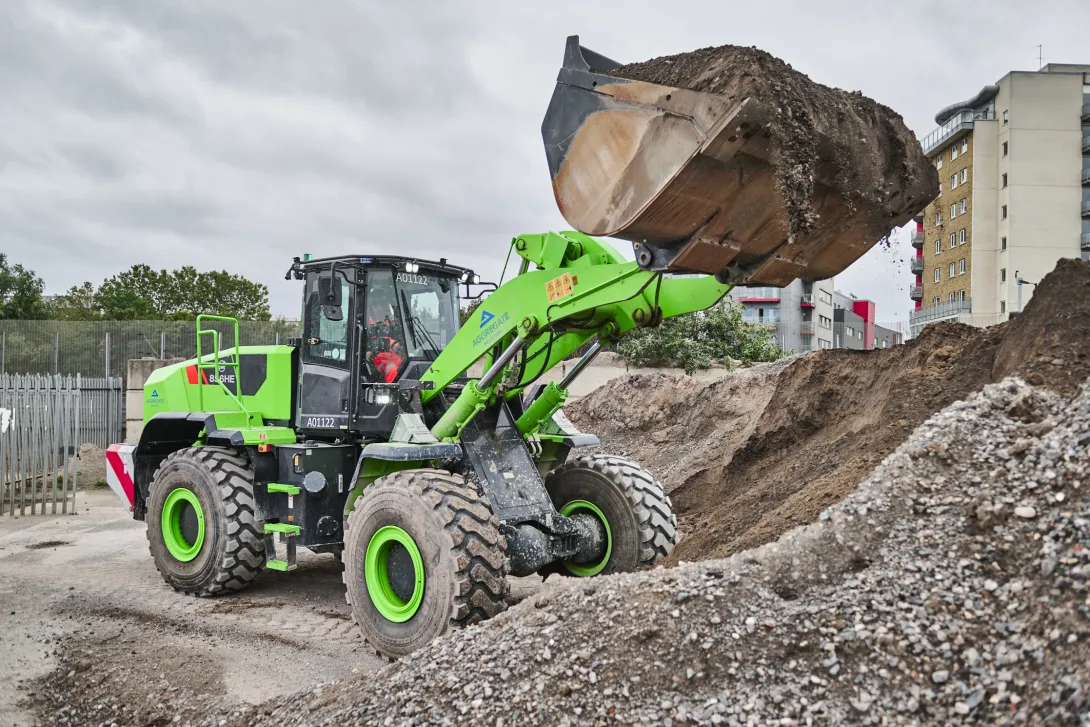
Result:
pixel 384 350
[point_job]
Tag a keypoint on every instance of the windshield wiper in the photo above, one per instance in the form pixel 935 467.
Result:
pixel 414 322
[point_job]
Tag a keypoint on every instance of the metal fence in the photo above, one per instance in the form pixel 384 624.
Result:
pixel 101 410
pixel 40 422
pixel 102 348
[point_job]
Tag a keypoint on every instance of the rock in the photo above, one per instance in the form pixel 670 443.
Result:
pixel 1025 511
pixel 940 677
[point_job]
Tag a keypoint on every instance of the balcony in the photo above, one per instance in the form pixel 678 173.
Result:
pixel 916 292
pixel 807 328
pixel 1086 177
pixel 1086 144
pixel 958 126
pixel 1086 210
pixel 1086 241
pixel 1086 113
pixel 916 266
pixel 758 295
pixel 806 300
pixel 917 238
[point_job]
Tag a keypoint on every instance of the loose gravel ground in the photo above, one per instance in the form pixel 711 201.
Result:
pixel 950 587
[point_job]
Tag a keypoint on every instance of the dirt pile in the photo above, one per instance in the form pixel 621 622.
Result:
pixel 877 163
pixel 750 456
pixel 951 587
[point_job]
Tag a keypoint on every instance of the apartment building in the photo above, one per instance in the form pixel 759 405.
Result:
pixel 800 316
pixel 1014 167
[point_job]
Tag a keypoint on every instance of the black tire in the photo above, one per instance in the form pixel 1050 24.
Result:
pixel 461 548
pixel 641 517
pixel 233 548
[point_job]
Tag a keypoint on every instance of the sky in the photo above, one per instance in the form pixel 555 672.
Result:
pixel 236 134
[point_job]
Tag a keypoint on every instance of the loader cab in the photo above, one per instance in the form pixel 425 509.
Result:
pixel 369 323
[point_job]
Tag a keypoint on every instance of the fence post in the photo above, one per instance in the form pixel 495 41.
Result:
pixel 3 349
pixel 162 346
pixel 56 352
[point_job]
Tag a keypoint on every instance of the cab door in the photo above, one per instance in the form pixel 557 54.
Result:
pixel 328 351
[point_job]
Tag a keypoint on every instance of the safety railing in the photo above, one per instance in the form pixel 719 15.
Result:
pixel 917 239
pixel 916 265
pixel 217 365
pixel 916 292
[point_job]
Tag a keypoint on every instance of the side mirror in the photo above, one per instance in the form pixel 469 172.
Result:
pixel 329 290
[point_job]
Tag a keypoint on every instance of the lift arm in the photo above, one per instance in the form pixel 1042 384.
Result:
pixel 581 289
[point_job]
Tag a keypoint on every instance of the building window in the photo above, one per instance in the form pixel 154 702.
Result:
pixel 964 149
pixel 1003 243
pixel 961 266
pixel 954 182
pixel 1006 147
pixel 963 295
pixel 953 152
pixel 825 322
pixel 964 201
pixel 937 275
pixel 964 175
pixel 950 298
pixel 961 237
pixel 938 246
pixel 824 297
pixel 849 330
pixel 938 162
pixel 1002 306
pixel 1004 180
pixel 953 211
pixel 938 217
pixel 824 344
pixel 1003 214
pixel 1003 275
pixel 953 269
pixel 953 240
pixel 1006 116
pixel 935 300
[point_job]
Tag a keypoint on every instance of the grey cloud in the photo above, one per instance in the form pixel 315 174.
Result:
pixel 238 133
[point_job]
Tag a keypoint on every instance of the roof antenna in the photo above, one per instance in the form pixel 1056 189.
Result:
pixel 1040 63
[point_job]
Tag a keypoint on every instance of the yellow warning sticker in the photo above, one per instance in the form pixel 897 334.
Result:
pixel 558 288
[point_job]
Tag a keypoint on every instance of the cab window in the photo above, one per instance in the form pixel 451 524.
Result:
pixel 327 337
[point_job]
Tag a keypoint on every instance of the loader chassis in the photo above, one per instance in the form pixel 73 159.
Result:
pixel 282 444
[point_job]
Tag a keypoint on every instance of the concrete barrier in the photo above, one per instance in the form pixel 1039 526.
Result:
pixel 139 369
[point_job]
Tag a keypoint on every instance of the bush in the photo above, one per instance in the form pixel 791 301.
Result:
pixel 697 340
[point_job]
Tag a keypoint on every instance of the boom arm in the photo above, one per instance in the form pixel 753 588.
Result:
pixel 582 289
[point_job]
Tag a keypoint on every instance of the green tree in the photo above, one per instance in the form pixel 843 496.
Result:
pixel 78 304
pixel 696 340
pixel 20 292
pixel 468 310
pixel 141 293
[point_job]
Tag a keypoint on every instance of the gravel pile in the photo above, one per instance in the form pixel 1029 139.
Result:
pixel 950 587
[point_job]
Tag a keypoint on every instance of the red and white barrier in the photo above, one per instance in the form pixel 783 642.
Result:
pixel 120 471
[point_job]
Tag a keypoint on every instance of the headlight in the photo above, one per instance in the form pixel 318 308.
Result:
pixel 383 396
pixel 411 267
pixel 475 279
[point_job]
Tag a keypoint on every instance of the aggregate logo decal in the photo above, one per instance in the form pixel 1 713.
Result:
pixel 154 399
pixel 490 326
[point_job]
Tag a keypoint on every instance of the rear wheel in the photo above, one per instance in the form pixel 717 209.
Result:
pixel 422 555
pixel 202 532
pixel 633 515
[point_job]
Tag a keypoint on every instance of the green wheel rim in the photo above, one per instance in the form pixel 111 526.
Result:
pixel 173 509
pixel 391 606
pixel 589 569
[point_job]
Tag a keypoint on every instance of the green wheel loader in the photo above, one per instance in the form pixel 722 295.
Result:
pixel 432 457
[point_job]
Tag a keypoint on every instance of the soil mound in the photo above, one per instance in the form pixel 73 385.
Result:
pixel 750 456
pixel 876 159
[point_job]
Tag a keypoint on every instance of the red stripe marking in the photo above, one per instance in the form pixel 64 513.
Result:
pixel 113 456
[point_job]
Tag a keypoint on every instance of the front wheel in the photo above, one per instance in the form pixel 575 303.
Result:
pixel 634 514
pixel 202 531
pixel 422 554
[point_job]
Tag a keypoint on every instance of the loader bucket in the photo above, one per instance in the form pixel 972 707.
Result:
pixel 688 178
